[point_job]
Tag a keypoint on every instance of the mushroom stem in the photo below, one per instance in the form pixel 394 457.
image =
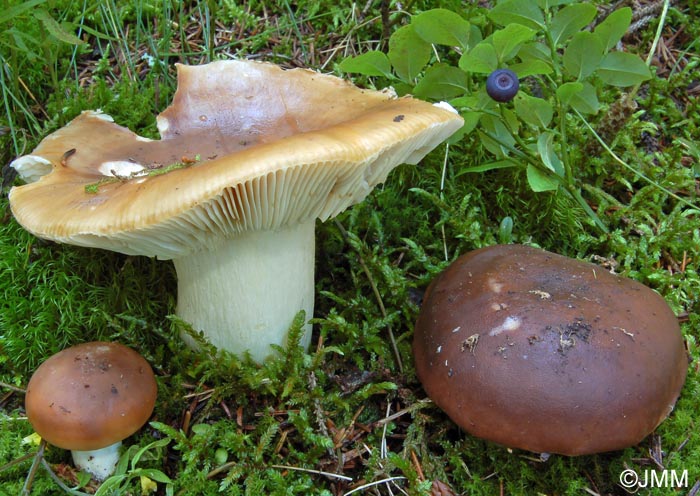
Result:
pixel 99 463
pixel 244 293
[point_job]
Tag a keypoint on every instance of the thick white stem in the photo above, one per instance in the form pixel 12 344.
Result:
pixel 244 294
pixel 99 463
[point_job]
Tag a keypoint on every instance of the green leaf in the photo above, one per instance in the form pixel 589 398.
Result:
pixel 408 53
pixel 531 67
pixel 570 20
pixel 535 50
pixel 372 63
pixel 540 180
pixel 442 27
pixel 614 27
pixel 583 55
pixel 498 164
pixel 534 111
pixel 481 59
pixel 160 443
pixel 110 485
pixel 545 147
pixel 623 69
pixel 567 91
pixel 548 4
pixel 154 474
pixel 507 41
pixel 55 29
pixel 496 137
pixel 525 12
pixel 580 96
pixel 441 82
pixel 586 100
pixel 505 230
pixel 471 120
pixel 16 10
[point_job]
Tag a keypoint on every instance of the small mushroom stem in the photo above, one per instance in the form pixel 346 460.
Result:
pixel 99 463
pixel 244 293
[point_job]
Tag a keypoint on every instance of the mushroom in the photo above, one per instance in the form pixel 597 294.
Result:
pixel 250 156
pixel 549 354
pixel 88 398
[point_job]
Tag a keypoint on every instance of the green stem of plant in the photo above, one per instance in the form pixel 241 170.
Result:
pixel 520 154
pixel 576 195
pixel 564 151
pixel 629 167
pixel 654 43
pixel 570 188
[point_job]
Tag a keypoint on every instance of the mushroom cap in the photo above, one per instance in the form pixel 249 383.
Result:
pixel 541 352
pixel 272 147
pixel 89 396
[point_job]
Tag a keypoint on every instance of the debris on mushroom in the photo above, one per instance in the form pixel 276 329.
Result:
pixel 90 397
pixel 541 352
pixel 250 156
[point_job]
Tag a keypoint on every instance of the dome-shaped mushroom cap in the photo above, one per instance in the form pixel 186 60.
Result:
pixel 538 351
pixel 90 396
pixel 264 148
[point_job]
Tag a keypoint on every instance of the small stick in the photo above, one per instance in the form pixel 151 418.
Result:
pixel 13 388
pixel 27 488
pixel 375 483
pixel 312 471
pixel 416 463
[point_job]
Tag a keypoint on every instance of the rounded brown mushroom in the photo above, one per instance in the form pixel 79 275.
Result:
pixel 90 397
pixel 541 352
pixel 250 156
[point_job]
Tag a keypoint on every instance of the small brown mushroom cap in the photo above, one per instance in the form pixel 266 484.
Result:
pixel 541 352
pixel 272 148
pixel 90 396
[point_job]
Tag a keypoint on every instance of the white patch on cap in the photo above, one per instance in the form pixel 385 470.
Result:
pixel 31 167
pixel 510 324
pixel 121 168
pixel 494 285
pixel 445 106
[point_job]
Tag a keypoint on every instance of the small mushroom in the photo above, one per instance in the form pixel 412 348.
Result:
pixel 88 398
pixel 250 156
pixel 541 352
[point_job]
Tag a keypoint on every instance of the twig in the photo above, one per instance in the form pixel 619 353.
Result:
pixel 17 461
pixel 312 471
pixel 59 482
pixel 375 483
pixel 415 406
pixel 27 488
pixel 13 388
pixel 442 189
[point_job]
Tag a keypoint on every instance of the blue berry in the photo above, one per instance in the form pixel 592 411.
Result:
pixel 502 85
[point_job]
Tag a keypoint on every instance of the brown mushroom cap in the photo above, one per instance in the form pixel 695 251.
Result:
pixel 90 396
pixel 537 351
pixel 272 148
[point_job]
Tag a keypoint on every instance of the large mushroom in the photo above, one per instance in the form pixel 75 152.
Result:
pixel 538 351
pixel 250 156
pixel 90 397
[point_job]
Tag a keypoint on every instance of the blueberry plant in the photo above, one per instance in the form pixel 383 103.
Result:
pixel 550 46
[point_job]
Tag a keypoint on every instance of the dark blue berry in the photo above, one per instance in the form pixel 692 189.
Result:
pixel 502 85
